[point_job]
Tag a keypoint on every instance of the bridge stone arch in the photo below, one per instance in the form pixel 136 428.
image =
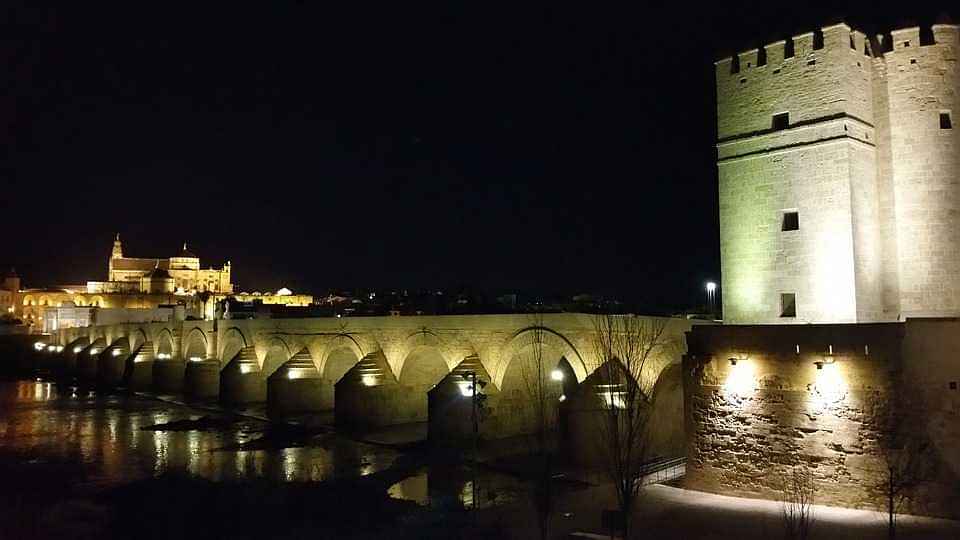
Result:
pixel 426 360
pixel 335 355
pixel 164 342
pixel 195 345
pixel 276 354
pixel 555 346
pixel 137 337
pixel 232 343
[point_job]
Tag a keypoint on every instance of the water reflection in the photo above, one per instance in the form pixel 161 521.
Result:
pixel 453 487
pixel 111 437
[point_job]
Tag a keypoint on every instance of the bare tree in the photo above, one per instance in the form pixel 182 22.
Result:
pixel 541 411
pixel 629 351
pixel 798 490
pixel 905 452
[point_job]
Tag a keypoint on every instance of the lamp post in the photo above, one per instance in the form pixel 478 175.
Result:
pixel 711 297
pixel 475 398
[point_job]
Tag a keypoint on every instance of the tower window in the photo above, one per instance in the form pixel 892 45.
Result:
pixel 945 122
pixel 781 121
pixel 791 221
pixel 788 305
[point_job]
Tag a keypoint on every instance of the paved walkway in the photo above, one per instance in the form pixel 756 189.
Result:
pixel 669 512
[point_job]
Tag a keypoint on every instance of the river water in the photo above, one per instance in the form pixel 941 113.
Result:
pixel 120 438
pixel 115 438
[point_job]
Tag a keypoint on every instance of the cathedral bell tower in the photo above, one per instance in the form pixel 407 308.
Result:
pixel 117 253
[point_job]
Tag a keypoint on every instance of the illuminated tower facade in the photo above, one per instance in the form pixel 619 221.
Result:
pixel 839 189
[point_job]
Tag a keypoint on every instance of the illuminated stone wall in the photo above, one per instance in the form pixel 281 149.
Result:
pixel 864 163
pixel 924 81
pixel 747 423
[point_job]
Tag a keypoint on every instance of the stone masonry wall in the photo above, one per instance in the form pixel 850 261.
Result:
pixel 747 423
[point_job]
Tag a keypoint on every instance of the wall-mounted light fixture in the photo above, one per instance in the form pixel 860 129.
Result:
pixel 556 375
pixel 827 359
pixel 739 357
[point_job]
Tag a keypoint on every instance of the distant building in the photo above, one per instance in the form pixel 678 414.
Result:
pixel 283 297
pixel 183 270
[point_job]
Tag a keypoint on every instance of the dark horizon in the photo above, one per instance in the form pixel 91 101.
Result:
pixel 523 149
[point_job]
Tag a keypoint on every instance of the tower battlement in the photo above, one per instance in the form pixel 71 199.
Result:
pixel 820 44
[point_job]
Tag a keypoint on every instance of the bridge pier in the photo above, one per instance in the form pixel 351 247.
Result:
pixel 68 362
pixel 241 381
pixel 450 406
pixel 295 387
pixel 168 375
pixel 139 370
pixel 87 360
pixel 201 379
pixel 369 395
pixel 111 363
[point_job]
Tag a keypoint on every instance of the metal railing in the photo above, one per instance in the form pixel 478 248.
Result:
pixel 662 470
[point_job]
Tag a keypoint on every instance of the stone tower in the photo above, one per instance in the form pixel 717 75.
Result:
pixel 838 167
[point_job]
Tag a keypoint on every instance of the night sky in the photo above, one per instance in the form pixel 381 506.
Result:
pixel 550 150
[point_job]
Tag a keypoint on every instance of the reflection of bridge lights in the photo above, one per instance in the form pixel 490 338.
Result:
pixel 369 380
pixel 556 375
pixel 740 379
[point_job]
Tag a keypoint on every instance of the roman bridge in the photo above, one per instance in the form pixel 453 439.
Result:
pixel 371 371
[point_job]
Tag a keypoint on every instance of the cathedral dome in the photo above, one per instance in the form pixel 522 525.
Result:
pixel 186 254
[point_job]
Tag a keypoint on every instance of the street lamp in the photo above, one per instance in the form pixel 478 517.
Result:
pixel 711 287
pixel 475 397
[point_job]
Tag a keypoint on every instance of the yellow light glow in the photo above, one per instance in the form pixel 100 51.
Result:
pixel 246 368
pixel 196 359
pixel 556 375
pixel 116 352
pixel 740 380
pixel 466 388
pixel 77 349
pixel 59 348
pixel 94 351
pixel 830 388
pixel 369 380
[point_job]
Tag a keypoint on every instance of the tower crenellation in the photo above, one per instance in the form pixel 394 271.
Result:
pixel 838 163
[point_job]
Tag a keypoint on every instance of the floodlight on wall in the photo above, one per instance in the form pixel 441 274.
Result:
pixel 77 350
pixel 738 358
pixel 116 352
pixel 59 348
pixel 94 351
pixel 556 375
pixel 369 380
pixel 827 359
pixel 196 359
